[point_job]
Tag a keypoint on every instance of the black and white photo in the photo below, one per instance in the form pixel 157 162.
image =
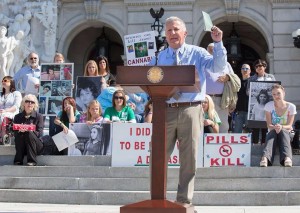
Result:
pixel 87 89
pixel 93 139
pixel 259 96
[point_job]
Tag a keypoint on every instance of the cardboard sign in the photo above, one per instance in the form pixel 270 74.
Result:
pixel 227 150
pixel 27 127
pixel 132 144
pixel 140 48
pixel 56 84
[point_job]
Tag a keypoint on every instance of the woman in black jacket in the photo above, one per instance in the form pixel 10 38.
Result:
pixel 27 142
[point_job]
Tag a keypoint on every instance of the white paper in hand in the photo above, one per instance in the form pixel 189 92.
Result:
pixel 63 140
pixel 30 86
pixel 207 22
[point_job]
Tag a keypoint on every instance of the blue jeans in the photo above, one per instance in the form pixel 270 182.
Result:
pixel 240 121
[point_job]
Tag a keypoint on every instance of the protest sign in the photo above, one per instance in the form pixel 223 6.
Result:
pixel 93 139
pixel 132 144
pixel 140 48
pixel 227 150
pixel 56 83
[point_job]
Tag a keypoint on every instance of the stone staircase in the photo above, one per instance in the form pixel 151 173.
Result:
pixel 91 180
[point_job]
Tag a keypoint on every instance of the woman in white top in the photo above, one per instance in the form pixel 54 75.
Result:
pixel 280 116
pixel 10 101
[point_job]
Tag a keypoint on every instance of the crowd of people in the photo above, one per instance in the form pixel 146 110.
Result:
pixel 222 93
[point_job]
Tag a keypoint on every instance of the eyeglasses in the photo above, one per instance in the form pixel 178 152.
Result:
pixel 33 58
pixel 29 102
pixel 119 97
pixel 5 80
pixel 245 69
pixel 259 65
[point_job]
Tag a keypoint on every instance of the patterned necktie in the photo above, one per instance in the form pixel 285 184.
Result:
pixel 176 57
pixel 177 95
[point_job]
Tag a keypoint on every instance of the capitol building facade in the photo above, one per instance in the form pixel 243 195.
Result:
pixel 84 29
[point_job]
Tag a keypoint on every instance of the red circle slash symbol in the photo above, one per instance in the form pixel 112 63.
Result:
pixel 225 150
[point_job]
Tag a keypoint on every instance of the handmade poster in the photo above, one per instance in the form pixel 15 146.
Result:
pixel 132 146
pixel 93 139
pixel 227 150
pixel 87 89
pixel 56 83
pixel 140 48
pixel 259 94
pixel 28 127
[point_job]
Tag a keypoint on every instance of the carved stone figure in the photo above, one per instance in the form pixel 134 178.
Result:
pixel 16 25
pixel 4 20
pixel 47 16
pixel 25 25
pixel 18 52
pixel 4 48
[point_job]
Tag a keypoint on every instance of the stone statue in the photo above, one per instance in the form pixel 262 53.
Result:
pixel 47 16
pixel 25 25
pixel 16 25
pixel 18 52
pixel 4 20
pixel 4 48
pixel 37 20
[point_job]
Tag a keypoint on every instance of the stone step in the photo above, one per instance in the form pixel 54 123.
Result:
pixel 119 186
pixel 103 197
pixel 143 184
pixel 143 172
pixel 63 160
pixel 7 155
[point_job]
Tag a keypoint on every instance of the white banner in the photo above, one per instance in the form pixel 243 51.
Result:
pixel 131 146
pixel 227 150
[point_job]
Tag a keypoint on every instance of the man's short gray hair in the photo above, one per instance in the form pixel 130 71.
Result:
pixel 174 18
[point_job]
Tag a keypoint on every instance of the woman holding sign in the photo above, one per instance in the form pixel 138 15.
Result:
pixel 107 78
pixel 280 116
pixel 119 112
pixel 27 141
pixel 93 113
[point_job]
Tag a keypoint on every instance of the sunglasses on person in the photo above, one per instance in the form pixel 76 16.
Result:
pixel 33 58
pixel 5 80
pixel 119 97
pixel 259 65
pixel 29 102
pixel 245 69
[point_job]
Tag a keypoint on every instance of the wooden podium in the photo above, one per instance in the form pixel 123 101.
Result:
pixel 160 82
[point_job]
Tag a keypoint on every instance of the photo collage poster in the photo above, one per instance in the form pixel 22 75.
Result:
pixel 93 139
pixel 56 84
pixel 87 89
pixel 140 48
pixel 260 93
